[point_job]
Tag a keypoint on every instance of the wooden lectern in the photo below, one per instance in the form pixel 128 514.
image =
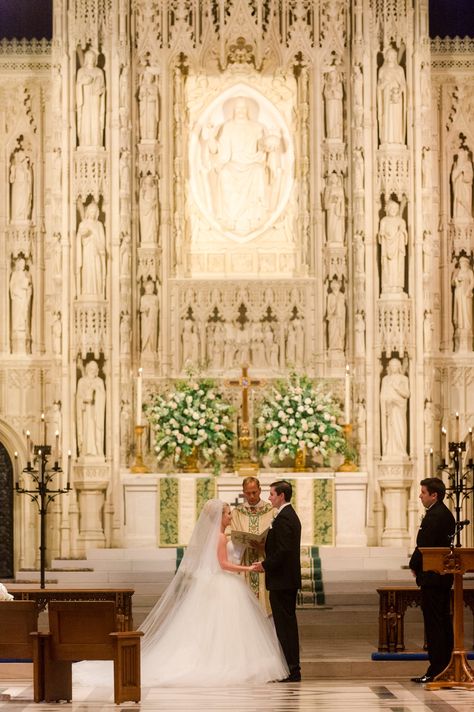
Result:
pixel 456 561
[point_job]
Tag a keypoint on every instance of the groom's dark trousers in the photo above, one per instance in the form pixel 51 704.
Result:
pixel 283 579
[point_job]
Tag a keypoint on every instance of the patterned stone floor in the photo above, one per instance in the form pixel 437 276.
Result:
pixel 321 695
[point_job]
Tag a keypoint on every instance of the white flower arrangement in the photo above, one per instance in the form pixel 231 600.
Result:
pixel 297 415
pixel 194 415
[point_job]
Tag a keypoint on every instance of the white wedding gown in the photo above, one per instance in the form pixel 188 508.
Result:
pixel 217 636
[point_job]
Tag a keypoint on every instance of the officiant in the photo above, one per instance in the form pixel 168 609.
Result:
pixel 253 516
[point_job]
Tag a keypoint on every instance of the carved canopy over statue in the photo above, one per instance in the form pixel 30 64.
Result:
pixel 241 165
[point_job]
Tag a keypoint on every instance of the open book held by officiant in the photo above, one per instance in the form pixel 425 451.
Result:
pixel 246 538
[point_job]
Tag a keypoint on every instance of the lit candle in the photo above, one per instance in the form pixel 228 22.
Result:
pixel 469 444
pixel 28 449
pixel 347 397
pixel 139 397
pixel 15 472
pixel 444 444
pixel 56 447
pixel 43 422
pixel 457 427
pixel 68 485
pixel 431 462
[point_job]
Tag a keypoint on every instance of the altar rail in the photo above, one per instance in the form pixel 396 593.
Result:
pixel 393 603
pixel 122 597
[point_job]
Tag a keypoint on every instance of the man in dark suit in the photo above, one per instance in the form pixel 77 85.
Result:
pixel 283 573
pixel 436 529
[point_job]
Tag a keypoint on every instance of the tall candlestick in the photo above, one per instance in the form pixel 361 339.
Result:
pixel 43 422
pixel 457 427
pixel 56 446
pixel 444 444
pixel 68 485
pixel 431 462
pixel 347 397
pixel 28 449
pixel 139 397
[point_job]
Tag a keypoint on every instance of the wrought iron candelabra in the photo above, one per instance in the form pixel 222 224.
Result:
pixel 460 472
pixel 41 493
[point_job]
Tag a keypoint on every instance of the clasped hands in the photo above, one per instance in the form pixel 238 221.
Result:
pixel 257 567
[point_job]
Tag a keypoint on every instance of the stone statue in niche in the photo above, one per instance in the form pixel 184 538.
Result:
pixel 391 100
pixel 359 253
pixel 336 317
pixel 428 417
pixel 56 333
pixel 149 311
pixel 394 394
pixel 427 252
pixel 359 339
pixel 90 412
pixel 190 342
pixel 334 204
pixel 333 97
pixel 125 416
pixel 91 254
pixel 258 351
pixel 124 87
pixel 125 334
pixel 125 254
pixel 242 344
pixel 428 328
pixel 21 179
pixel 361 421
pixel 461 179
pixel 358 93
pixel 148 210
pixel 149 103
pixel 21 291
pixel 358 158
pixel 463 283
pixel 124 167
pixel 393 238
pixel 229 344
pixel 291 344
pixel 270 346
pixel 215 341
pixel 242 162
pixel 300 341
pixel 90 102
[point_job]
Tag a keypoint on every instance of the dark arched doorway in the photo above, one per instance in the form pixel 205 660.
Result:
pixel 6 514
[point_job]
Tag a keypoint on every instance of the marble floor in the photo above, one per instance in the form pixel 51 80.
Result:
pixel 321 695
pixel 338 676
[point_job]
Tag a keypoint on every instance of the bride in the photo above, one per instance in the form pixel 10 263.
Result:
pixel 207 629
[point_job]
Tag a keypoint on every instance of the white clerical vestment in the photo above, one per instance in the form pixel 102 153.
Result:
pixel 254 520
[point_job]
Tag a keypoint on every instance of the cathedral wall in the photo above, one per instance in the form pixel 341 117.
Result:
pixel 201 184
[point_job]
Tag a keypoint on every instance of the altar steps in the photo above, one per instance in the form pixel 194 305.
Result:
pixel 332 576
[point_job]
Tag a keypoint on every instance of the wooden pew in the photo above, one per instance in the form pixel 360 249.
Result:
pixel 87 630
pixel 19 640
pixel 393 603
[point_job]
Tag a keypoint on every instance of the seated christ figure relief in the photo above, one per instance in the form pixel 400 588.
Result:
pixel 241 167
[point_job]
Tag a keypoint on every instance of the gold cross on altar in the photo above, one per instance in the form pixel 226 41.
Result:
pixel 245 382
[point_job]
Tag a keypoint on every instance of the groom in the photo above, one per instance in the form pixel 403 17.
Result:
pixel 283 573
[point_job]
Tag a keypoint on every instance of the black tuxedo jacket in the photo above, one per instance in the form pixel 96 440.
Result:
pixel 282 552
pixel 435 529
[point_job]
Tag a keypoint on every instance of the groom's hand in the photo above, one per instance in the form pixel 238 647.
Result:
pixel 258 567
